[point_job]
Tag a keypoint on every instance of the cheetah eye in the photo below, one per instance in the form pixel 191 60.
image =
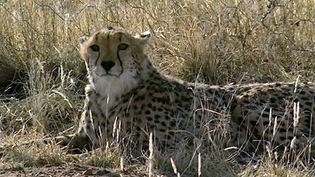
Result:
pixel 95 48
pixel 123 46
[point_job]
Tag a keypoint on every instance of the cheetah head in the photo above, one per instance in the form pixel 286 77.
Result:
pixel 114 57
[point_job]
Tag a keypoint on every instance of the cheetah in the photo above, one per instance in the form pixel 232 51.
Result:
pixel 278 115
pixel 128 97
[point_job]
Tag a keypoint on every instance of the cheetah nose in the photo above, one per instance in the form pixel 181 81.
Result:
pixel 107 65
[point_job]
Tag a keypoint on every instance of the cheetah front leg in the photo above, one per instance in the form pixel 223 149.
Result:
pixel 85 137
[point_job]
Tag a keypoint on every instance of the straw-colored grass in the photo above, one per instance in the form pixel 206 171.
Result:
pixel 217 42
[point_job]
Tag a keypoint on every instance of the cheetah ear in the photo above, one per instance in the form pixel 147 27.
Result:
pixel 82 40
pixel 143 37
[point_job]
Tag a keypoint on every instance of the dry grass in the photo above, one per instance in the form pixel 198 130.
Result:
pixel 217 42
